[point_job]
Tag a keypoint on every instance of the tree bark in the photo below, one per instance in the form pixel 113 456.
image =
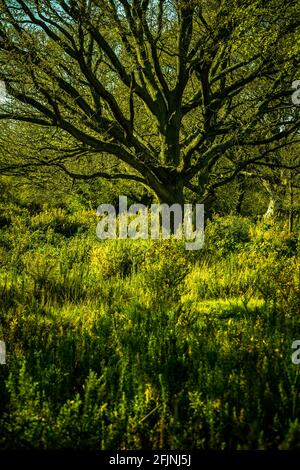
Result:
pixel 170 192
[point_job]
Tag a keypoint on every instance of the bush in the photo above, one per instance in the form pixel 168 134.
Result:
pixel 117 257
pixel 267 239
pixel 164 268
pixel 62 223
pixel 228 234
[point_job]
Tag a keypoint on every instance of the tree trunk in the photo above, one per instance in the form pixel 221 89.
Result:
pixel 241 196
pixel 169 189
pixel 170 192
pixel 274 205
pixel 291 208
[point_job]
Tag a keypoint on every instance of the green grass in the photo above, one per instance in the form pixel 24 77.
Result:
pixel 129 345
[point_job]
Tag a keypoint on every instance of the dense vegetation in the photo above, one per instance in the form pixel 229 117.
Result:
pixel 137 344
pixel 142 344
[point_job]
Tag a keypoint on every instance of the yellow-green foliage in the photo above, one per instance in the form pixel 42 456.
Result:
pixel 117 257
pixel 66 224
pixel 142 344
pixel 165 265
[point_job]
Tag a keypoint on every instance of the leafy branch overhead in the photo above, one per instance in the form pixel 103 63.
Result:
pixel 184 95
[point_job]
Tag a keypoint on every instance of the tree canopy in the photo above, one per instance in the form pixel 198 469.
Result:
pixel 181 97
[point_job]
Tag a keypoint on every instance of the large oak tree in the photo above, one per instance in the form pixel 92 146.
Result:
pixel 179 96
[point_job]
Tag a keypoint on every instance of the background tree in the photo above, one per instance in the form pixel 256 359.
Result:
pixel 178 96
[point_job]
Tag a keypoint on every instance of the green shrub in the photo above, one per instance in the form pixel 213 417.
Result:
pixel 117 257
pixel 165 265
pixel 225 235
pixel 62 223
